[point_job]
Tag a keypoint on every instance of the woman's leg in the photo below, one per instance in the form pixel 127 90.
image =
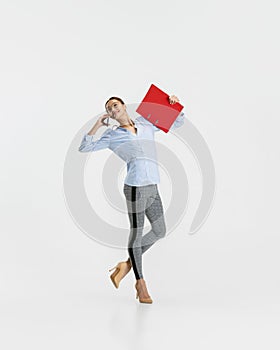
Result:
pixel 135 200
pixel 155 214
pixel 141 201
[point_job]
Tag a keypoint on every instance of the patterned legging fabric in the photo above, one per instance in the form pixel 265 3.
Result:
pixel 141 201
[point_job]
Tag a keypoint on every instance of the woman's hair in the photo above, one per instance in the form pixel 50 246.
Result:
pixel 114 98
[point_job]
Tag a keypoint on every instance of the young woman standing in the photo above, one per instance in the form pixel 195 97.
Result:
pixel 140 185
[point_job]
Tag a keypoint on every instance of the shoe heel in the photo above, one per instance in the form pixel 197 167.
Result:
pixel 113 268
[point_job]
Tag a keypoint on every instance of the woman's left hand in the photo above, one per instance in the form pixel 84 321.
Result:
pixel 173 99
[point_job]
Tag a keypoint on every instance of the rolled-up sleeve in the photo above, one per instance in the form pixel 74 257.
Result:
pixel 89 144
pixel 179 121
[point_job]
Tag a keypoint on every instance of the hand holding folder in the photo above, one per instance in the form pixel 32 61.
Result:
pixel 156 108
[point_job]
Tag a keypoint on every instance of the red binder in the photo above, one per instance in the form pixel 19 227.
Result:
pixel 155 107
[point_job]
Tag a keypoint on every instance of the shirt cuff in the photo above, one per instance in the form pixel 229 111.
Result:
pixel 89 137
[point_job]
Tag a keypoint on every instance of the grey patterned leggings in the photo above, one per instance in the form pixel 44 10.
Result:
pixel 141 201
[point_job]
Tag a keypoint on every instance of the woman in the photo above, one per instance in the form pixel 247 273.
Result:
pixel 140 185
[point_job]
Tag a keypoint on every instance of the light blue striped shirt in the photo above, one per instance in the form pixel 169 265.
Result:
pixel 137 150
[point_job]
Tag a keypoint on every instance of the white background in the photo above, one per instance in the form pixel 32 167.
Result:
pixel 60 61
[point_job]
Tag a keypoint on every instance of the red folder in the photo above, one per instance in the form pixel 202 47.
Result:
pixel 155 107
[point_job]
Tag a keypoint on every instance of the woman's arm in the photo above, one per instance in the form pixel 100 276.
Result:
pixel 88 143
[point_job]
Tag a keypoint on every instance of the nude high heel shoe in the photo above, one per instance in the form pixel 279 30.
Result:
pixel 141 288
pixel 122 269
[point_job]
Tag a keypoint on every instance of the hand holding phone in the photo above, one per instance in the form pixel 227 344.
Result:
pixel 101 120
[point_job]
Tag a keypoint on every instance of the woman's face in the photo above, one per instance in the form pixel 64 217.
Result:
pixel 115 109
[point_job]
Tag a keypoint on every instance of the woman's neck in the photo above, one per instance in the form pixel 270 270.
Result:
pixel 127 123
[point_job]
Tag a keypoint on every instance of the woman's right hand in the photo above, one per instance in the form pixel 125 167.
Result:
pixel 98 124
pixel 101 120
